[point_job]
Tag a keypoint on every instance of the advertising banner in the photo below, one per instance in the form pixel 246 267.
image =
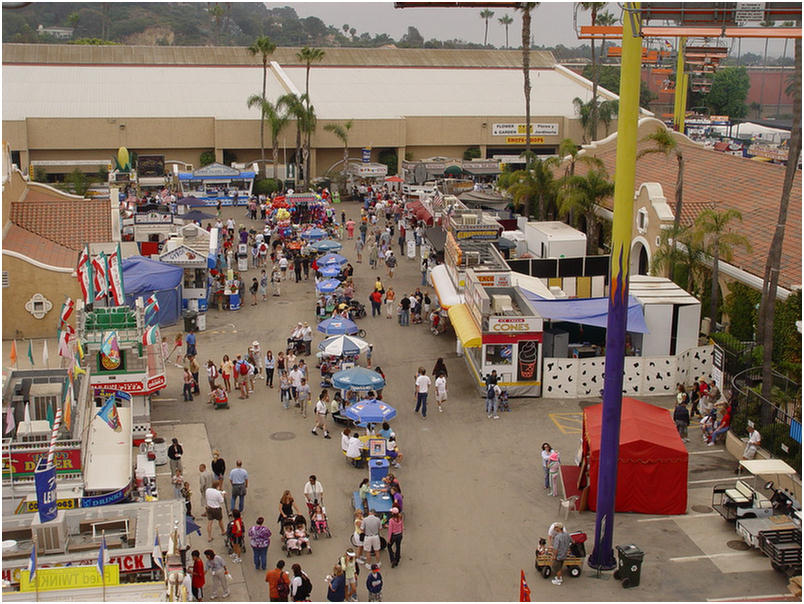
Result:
pixel 45 479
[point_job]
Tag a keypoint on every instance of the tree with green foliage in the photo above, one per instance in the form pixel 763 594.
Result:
pixel 342 132
pixel 729 92
pixel 265 48
pixel 412 39
pixel 206 158
pixel 471 153
pixel 594 108
pixel 569 155
pixel 663 141
pixel 537 184
pixel 714 228
pixel 605 112
pixel 505 21
pixel 309 121
pixel 526 8
pixel 741 304
pixel 486 14
pixel 583 195
pixel 78 182
pixel 390 158
pixel 277 117
pixel 294 107
pixel 609 78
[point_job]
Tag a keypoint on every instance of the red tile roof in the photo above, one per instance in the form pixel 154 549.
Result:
pixel 691 209
pixel 38 248
pixel 753 188
pixel 68 223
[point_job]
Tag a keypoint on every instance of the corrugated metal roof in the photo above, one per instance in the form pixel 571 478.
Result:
pixel 227 55
pixel 91 91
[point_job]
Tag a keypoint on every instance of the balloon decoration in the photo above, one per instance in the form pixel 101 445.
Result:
pixel 123 160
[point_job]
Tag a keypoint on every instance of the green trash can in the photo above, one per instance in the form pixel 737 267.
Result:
pixel 629 565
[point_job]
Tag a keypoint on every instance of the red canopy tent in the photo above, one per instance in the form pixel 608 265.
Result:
pixel 652 467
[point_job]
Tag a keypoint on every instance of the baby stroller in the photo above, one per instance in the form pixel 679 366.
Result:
pixel 294 536
pixel 356 309
pixel 229 540
pixel 320 527
pixel 503 404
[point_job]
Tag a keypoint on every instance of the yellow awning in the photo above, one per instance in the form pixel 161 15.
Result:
pixel 465 327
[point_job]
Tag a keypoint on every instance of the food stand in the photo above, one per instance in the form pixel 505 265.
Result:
pixel 498 329
pixel 217 182
pixel 195 250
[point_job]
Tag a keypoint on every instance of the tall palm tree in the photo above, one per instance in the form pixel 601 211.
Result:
pixel 605 19
pixel 781 63
pixel 486 14
pixel 664 142
pixel 764 64
pixel 568 153
pixel 767 308
pixel 535 183
pixel 526 7
pixel 714 229
pixel 277 117
pixel 593 7
pixel 605 112
pixel 309 122
pixel 505 21
pixel 583 196
pixel 295 108
pixel 342 132
pixel 264 47
pixel 308 56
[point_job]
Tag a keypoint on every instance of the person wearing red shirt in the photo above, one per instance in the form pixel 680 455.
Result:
pixel 198 576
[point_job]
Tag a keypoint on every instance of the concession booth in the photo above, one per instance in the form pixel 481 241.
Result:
pixel 498 329
pixel 217 182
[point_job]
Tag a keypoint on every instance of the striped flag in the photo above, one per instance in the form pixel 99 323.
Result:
pixel 116 278
pixel 157 553
pixel 66 311
pixel 99 276
pixel 84 271
pixel 152 304
pixel 151 335
pixel 65 335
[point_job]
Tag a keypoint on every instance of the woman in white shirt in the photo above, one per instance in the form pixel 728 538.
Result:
pixel 441 391
pixel 546 451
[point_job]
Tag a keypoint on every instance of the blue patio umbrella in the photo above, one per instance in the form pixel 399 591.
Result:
pixel 330 270
pixel 370 412
pixel 196 215
pixel 326 245
pixel 332 259
pixel 338 325
pixel 359 379
pixel 314 234
pixel 191 527
pixel 328 285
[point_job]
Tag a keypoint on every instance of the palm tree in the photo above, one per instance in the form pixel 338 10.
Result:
pixel 264 47
pixel 308 56
pixel 605 112
pixel 342 132
pixel 764 64
pixel 277 120
pixel 714 230
pixel 689 255
pixel 535 183
pixel 664 142
pixel 505 21
pixel 568 153
pixel 526 7
pixel 781 62
pixel 605 19
pixel 593 7
pixel 486 14
pixel 583 195
pixel 295 108
pixel 767 308
pixel 309 122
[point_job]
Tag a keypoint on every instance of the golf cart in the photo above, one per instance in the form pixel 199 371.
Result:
pixel 745 503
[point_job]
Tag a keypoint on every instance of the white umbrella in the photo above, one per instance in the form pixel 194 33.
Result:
pixel 343 345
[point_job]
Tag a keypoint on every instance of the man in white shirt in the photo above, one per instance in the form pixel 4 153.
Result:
pixel 313 493
pixel 295 376
pixel 754 441
pixel 307 338
pixel 441 391
pixel 283 268
pixel 214 503
pixel 303 396
pixel 421 390
pixel 321 409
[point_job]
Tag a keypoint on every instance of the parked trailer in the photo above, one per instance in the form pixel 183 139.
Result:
pixel 783 547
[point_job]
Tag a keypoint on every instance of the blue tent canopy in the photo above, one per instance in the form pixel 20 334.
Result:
pixel 143 277
pixel 586 311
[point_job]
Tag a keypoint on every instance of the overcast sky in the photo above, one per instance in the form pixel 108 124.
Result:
pixel 552 22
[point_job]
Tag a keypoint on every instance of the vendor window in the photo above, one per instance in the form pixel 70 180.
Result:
pixel 499 354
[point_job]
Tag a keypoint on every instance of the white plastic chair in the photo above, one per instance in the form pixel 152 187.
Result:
pixel 565 506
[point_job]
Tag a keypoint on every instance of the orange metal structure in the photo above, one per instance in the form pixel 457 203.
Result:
pixel 599 32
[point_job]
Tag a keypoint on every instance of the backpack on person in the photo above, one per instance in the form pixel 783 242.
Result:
pixel 282 588
pixel 305 589
pixel 243 369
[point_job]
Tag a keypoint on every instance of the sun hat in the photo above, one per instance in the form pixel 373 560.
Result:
pixel 394 510
pixel 553 456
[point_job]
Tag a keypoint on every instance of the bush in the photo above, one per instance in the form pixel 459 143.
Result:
pixel 741 304
pixel 265 186
pixel 471 153
pixel 206 158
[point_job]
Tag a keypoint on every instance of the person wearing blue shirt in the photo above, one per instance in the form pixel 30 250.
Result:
pixel 337 585
pixel 386 431
pixel 239 479
pixel 190 341
pixel 374 584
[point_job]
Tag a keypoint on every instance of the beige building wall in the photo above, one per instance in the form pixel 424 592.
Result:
pixel 26 279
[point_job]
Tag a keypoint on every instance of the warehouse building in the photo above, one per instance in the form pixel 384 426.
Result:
pixel 74 103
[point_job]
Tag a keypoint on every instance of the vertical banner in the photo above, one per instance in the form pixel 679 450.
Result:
pixel 45 479
pixel 717 366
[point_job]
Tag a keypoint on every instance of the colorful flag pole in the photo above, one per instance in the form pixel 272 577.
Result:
pixel 32 564
pixel 54 436
pixel 30 352
pixel 157 553
pixel 13 355
pixel 102 562
pixel 116 289
pixel 68 406
pixel 84 271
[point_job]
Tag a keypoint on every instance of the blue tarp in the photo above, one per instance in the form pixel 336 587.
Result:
pixel 143 277
pixel 586 311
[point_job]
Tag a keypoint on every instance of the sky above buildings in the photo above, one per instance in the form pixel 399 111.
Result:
pixel 552 22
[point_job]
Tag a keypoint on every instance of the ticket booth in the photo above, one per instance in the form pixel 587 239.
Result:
pixel 195 250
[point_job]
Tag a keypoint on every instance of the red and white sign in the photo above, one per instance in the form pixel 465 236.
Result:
pixel 130 563
pixel 515 325
pixel 142 386
pixel 494 279
pixel 498 338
